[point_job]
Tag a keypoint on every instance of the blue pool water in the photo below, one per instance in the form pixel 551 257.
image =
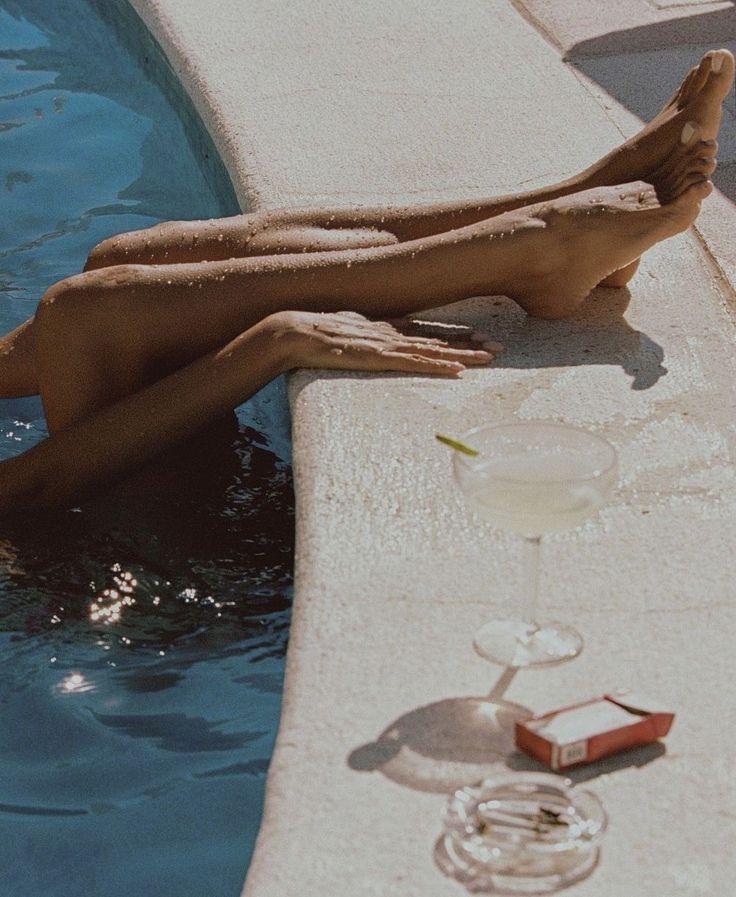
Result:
pixel 142 635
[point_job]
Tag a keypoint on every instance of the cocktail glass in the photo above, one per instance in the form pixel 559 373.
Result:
pixel 533 478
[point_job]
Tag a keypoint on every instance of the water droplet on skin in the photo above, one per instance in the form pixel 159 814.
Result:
pixel 168 282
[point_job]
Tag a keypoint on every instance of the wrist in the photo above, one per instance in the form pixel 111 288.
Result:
pixel 283 340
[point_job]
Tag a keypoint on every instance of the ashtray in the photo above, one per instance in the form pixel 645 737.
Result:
pixel 522 833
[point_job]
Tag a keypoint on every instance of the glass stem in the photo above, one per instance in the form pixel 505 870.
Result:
pixel 532 547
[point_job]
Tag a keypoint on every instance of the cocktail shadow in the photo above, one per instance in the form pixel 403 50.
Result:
pixel 447 744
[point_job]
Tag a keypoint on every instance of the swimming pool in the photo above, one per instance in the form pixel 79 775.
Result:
pixel 142 636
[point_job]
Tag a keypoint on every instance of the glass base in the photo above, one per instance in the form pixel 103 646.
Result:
pixel 514 643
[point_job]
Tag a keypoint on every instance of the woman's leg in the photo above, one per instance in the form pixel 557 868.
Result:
pixel 651 154
pixel 18 370
pixel 100 335
pixel 647 156
pixel 121 436
pixel 18 374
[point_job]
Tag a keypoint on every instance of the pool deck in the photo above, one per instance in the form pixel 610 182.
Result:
pixel 345 102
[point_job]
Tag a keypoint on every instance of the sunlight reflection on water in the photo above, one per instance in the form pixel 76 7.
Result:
pixel 142 636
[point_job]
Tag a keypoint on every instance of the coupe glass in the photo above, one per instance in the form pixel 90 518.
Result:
pixel 533 478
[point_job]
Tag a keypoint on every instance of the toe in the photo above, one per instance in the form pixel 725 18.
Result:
pixel 690 134
pixel 682 95
pixel 694 194
pixel 706 166
pixel 721 72
pixel 686 181
pixel 702 70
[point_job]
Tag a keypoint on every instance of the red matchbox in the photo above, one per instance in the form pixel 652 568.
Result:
pixel 582 733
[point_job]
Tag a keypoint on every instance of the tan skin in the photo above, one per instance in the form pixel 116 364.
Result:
pixel 170 328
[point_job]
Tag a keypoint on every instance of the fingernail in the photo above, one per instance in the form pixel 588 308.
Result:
pixel 478 336
pixel 687 133
pixel 716 62
pixel 491 346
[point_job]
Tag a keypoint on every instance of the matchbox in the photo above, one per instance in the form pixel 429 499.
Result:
pixel 591 730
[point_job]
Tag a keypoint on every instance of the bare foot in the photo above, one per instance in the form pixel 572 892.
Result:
pixel 698 101
pixel 583 239
pixel 621 277
pixel 689 163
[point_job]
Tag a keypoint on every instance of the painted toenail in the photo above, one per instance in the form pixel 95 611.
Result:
pixel 716 63
pixel 687 133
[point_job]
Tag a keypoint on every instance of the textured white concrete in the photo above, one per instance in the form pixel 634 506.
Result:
pixel 340 101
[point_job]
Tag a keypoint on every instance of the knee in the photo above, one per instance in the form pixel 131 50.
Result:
pixel 61 299
pixel 72 303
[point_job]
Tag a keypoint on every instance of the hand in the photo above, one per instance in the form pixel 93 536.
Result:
pixel 348 341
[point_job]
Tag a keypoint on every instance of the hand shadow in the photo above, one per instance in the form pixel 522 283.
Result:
pixel 447 744
pixel 597 333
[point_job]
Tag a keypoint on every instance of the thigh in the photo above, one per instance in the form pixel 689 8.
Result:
pixel 260 233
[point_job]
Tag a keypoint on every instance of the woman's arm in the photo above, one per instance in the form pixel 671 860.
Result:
pixel 74 461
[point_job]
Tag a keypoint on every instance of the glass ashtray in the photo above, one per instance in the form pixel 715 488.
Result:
pixel 521 833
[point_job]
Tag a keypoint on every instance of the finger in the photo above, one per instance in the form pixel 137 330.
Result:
pixel 486 341
pixel 438 329
pixel 419 364
pixel 464 356
pixel 386 332
pixel 352 315
pixel 346 330
pixel 458 336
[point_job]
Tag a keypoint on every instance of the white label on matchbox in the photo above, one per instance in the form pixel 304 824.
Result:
pixel 573 753
pixel 571 726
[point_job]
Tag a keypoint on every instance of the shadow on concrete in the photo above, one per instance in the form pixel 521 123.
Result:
pixel 637 757
pixel 690 28
pixel 447 744
pixel 598 334
pixel 451 743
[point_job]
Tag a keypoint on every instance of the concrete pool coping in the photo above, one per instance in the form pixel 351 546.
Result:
pixel 342 103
